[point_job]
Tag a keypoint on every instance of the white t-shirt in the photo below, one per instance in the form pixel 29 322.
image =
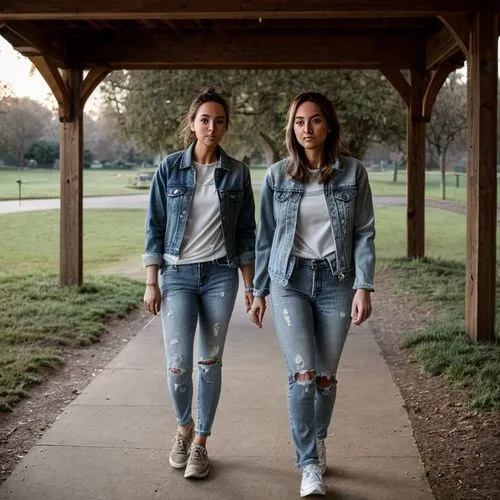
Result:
pixel 203 240
pixel 313 235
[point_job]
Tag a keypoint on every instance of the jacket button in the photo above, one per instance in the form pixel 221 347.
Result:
pixel 341 276
pixel 176 191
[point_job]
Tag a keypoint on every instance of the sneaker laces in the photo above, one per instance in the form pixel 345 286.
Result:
pixel 182 441
pixel 198 453
pixel 313 471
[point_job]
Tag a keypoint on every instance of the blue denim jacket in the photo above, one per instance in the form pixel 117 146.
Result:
pixel 170 198
pixel 349 201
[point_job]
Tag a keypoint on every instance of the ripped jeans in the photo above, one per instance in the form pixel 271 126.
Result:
pixel 203 292
pixel 312 315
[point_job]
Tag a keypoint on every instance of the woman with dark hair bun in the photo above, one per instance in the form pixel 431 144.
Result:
pixel 315 256
pixel 200 228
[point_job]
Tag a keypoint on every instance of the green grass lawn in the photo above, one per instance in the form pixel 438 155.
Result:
pixel 30 240
pixel 44 183
pixel 41 183
pixel 382 185
pixel 443 348
pixel 445 233
pixel 39 319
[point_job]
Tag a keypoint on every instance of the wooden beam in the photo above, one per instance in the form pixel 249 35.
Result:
pixel 415 212
pixel 440 47
pixel 245 51
pixel 437 80
pixel 71 162
pixel 460 29
pixel 398 81
pixel 480 279
pixel 32 40
pixel 51 75
pixel 92 80
pixel 227 9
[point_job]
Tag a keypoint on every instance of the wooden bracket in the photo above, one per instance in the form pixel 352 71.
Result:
pixel 432 89
pixel 398 81
pixel 460 29
pixel 55 81
pixel 94 77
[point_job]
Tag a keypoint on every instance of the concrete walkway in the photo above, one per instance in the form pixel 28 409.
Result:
pixel 112 442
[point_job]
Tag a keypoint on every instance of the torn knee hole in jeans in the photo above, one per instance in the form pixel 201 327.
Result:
pixel 326 381
pixel 305 376
pixel 208 362
pixel 176 371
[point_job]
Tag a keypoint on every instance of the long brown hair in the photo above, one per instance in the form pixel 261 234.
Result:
pixel 297 164
pixel 209 94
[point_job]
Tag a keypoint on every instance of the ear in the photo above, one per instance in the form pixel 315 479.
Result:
pixel 191 126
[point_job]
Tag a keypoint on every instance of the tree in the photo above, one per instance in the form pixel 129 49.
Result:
pixel 103 138
pixel 23 122
pixel 44 151
pixel 5 95
pixel 449 119
pixel 150 105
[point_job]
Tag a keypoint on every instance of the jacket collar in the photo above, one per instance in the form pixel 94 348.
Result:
pixel 187 157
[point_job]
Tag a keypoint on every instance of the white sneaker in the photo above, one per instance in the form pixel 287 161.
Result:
pixel 312 481
pixel 321 448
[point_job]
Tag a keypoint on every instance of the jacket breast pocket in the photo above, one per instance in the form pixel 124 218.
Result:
pixel 345 199
pixel 175 196
pixel 175 191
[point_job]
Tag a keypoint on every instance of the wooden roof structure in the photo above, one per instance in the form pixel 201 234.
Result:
pixel 75 45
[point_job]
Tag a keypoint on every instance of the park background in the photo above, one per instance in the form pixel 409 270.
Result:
pixel 133 120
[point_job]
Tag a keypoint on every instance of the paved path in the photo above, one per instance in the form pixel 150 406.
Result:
pixel 127 201
pixel 140 201
pixel 111 443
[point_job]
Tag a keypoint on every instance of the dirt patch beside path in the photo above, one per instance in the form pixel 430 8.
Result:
pixel 460 447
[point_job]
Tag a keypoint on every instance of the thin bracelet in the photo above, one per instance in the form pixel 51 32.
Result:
pixel 151 284
pixel 249 289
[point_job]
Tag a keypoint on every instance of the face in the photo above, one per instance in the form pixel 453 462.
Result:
pixel 209 124
pixel 310 126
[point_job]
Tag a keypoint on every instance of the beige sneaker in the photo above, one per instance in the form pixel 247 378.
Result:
pixel 197 465
pixel 178 456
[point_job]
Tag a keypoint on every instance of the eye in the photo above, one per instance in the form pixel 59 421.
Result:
pixel 203 120
pixel 299 123
pixel 317 121
pixel 221 122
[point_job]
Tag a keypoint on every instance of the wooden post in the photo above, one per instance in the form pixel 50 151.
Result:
pixel 71 164
pixel 482 65
pixel 416 166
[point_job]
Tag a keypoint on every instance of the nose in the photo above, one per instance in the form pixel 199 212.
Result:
pixel 307 127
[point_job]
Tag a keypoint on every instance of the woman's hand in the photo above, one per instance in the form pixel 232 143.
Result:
pixel 152 298
pixel 361 306
pixel 257 311
pixel 248 300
